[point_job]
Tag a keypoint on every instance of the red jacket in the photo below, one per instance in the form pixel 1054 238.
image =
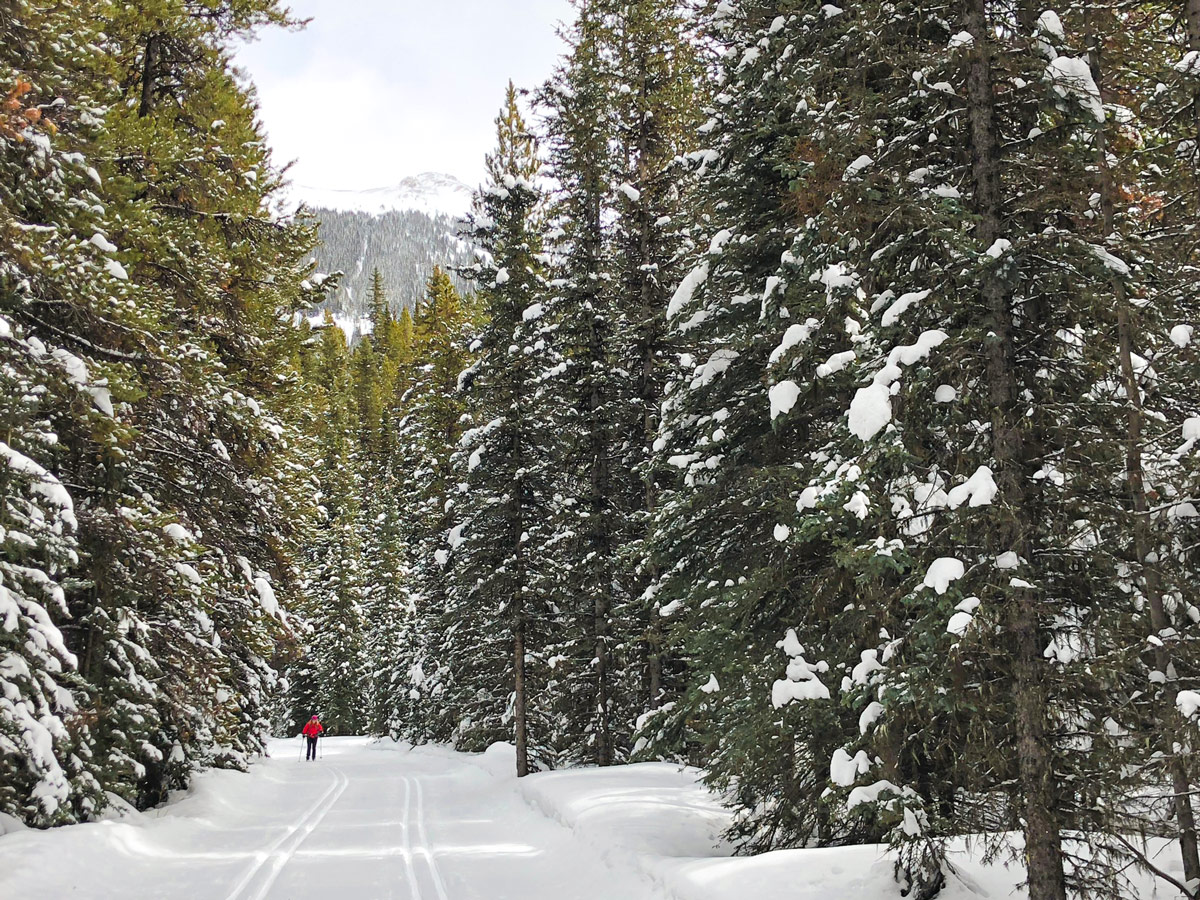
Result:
pixel 313 729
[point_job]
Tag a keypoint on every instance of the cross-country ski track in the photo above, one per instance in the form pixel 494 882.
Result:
pixel 377 820
pixel 365 822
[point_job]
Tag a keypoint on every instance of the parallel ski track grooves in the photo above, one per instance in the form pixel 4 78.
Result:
pixel 438 885
pixel 414 891
pixel 299 832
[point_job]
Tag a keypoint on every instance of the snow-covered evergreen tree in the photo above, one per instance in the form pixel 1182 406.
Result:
pixel 501 607
pixel 149 275
pixel 427 436
pixel 655 125
pixel 330 678
pixel 620 111
pixel 942 467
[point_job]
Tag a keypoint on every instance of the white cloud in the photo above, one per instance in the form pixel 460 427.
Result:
pixel 372 91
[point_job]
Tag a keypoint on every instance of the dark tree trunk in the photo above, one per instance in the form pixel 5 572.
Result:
pixel 650 312
pixel 150 74
pixel 520 699
pixel 1192 16
pixel 1043 851
pixel 599 501
pixel 1136 482
pixel 519 710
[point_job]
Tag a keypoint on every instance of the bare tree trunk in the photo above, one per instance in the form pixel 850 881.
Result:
pixel 1043 851
pixel 519 709
pixel 604 744
pixel 600 605
pixel 1192 17
pixel 149 74
pixel 1181 784
pixel 599 501
pixel 520 699
pixel 1134 473
pixel 650 312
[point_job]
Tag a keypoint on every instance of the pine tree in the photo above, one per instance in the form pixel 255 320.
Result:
pixel 330 678
pixel 499 608
pixel 1147 276
pixel 380 310
pixel 48 398
pixel 655 124
pixel 941 428
pixel 580 160
pixel 217 278
pixel 427 436
pixel 738 582
pixel 171 321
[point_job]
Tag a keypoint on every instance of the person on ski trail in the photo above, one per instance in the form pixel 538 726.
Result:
pixel 312 731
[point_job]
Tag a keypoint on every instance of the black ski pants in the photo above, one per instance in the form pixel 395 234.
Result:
pixel 312 747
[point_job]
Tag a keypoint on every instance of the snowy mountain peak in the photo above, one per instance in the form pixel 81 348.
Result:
pixel 432 193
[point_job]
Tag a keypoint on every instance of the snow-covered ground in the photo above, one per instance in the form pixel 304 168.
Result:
pixel 378 820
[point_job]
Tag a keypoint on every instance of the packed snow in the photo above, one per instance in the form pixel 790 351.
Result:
pixel 870 411
pixel 1049 23
pixel 942 572
pixel 783 397
pixel 683 294
pixel 795 335
pixel 893 313
pixel 385 820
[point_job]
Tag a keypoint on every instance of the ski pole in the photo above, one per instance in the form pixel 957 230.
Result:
pixel 300 758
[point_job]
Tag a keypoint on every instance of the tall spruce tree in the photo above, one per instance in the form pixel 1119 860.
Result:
pixel 330 678
pixel 427 436
pixel 46 772
pixel 654 124
pixel 580 156
pixel 941 508
pixel 500 606
pixel 172 322
pixel 621 111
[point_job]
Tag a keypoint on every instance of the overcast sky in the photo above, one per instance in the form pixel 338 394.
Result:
pixel 374 90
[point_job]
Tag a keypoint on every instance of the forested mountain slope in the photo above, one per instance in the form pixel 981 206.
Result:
pixel 403 244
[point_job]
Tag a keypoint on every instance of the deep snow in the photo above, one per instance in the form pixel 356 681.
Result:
pixel 381 820
pixel 366 821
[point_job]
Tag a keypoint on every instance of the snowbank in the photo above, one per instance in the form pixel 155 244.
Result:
pixel 647 810
pixel 658 819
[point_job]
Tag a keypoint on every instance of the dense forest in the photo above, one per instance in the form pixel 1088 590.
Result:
pixel 818 408
pixel 154 490
pixel 403 245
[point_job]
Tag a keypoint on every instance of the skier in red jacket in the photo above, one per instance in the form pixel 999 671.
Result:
pixel 311 732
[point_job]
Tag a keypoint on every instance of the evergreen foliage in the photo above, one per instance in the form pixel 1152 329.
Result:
pixel 146 298
pixel 842 444
pixel 501 603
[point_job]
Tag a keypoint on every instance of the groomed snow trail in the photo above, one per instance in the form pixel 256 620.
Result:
pixel 366 822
